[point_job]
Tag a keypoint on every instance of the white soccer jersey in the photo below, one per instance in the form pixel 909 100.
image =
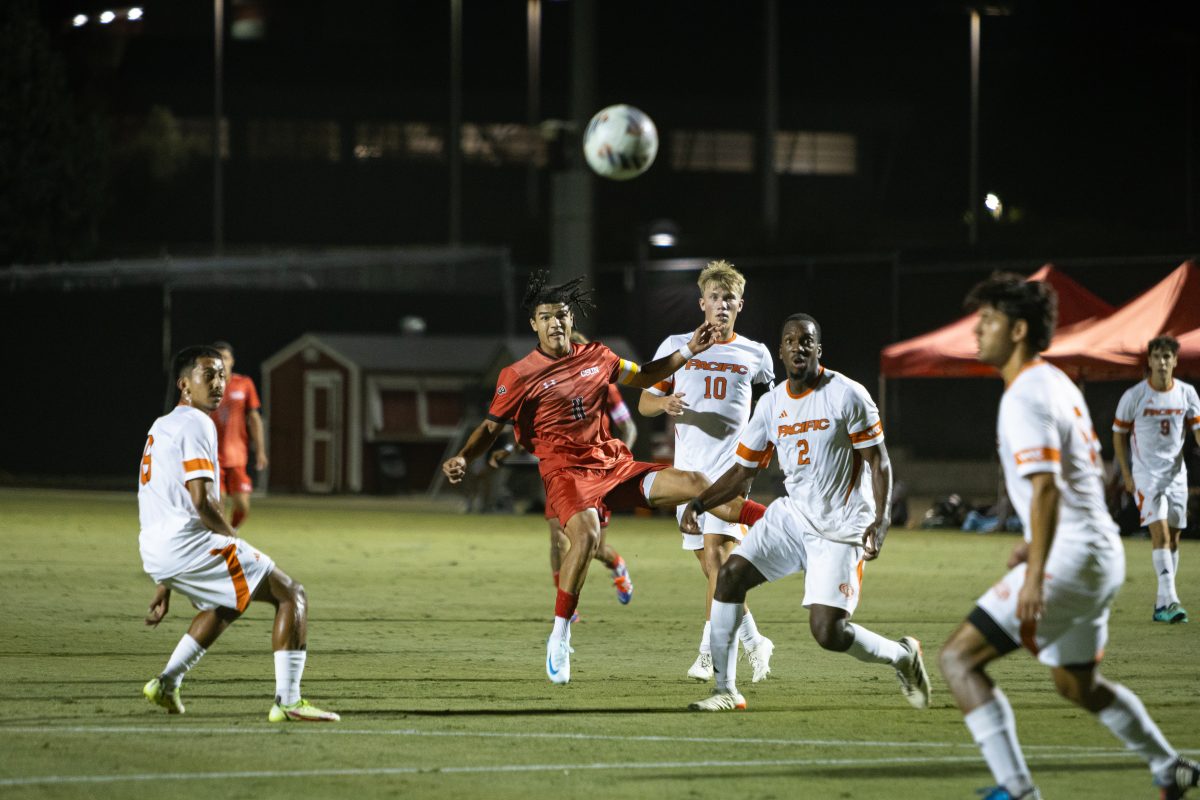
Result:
pixel 1044 426
pixel 716 385
pixel 1157 423
pixel 817 435
pixel 181 446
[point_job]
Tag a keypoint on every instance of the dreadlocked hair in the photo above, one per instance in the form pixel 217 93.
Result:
pixel 571 294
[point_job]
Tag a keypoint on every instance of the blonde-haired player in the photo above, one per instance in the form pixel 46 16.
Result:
pixel 189 547
pixel 710 400
pixel 1156 412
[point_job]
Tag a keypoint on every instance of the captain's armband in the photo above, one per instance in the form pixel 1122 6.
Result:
pixel 627 371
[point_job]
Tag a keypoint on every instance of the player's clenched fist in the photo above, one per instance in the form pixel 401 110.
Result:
pixel 455 468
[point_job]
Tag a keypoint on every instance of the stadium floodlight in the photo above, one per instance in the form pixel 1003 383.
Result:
pixel 992 203
pixel 79 20
pixel 134 14
pixel 663 233
pixel 107 17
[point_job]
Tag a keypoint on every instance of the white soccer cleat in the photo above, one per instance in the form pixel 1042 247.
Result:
pixel 701 668
pixel 720 701
pixel 759 657
pixel 558 660
pixel 914 680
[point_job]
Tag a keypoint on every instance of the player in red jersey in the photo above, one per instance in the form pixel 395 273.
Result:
pixel 617 415
pixel 555 399
pixel 238 415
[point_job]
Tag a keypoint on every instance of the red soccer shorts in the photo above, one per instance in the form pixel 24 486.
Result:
pixel 574 489
pixel 234 480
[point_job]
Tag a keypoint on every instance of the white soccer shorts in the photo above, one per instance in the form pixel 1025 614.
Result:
pixel 1078 592
pixel 1168 503
pixel 227 577
pixel 778 545
pixel 709 524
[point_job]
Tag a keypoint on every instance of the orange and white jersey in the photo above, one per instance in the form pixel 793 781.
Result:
pixel 1157 423
pixel 1044 426
pixel 180 447
pixel 817 435
pixel 716 387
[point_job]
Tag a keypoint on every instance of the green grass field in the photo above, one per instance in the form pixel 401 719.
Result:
pixel 427 633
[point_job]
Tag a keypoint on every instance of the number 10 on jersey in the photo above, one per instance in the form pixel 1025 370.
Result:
pixel 714 388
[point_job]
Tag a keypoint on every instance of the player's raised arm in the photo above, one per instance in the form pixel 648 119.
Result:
pixel 732 485
pixel 646 376
pixel 479 442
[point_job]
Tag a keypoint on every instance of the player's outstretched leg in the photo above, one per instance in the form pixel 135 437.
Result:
pixel 833 630
pixel 289 639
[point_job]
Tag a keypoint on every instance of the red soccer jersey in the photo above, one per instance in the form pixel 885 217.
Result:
pixel 230 416
pixel 558 407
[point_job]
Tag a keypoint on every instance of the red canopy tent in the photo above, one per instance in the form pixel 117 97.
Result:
pixel 1114 348
pixel 1189 354
pixel 949 351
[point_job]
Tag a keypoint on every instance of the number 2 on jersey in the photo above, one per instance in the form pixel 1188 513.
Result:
pixel 146 460
pixel 802 449
pixel 714 388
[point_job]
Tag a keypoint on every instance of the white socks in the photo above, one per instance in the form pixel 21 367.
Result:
pixel 187 654
pixel 725 620
pixel 994 729
pixel 1129 721
pixel 871 647
pixel 1164 567
pixel 289 666
pixel 562 627
pixel 748 631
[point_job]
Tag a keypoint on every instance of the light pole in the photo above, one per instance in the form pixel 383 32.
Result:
pixel 973 179
pixel 977 12
pixel 218 112
pixel 533 92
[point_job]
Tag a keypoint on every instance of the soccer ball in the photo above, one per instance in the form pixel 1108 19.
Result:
pixel 620 142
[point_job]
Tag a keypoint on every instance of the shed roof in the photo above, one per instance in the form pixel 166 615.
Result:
pixel 413 353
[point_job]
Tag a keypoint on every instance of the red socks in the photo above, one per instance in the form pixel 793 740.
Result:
pixel 752 512
pixel 564 605
pixel 236 521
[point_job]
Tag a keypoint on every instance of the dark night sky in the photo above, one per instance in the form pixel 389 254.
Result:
pixel 1084 116
pixel 1088 123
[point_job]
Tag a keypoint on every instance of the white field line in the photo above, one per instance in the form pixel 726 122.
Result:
pixel 330 730
pixel 499 769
